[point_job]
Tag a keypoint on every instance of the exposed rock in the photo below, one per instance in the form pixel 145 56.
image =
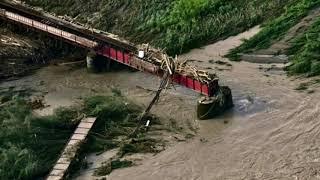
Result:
pixel 264 59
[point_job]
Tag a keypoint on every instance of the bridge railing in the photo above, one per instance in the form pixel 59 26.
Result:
pixel 50 29
pixel 112 52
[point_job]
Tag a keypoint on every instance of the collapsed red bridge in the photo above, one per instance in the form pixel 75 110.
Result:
pixel 112 48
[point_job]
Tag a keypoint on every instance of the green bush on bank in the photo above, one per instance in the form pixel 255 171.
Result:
pixel 117 118
pixel 276 29
pixel 29 145
pixel 306 52
pixel 305 48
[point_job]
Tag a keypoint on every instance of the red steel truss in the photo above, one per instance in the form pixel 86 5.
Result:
pixel 103 46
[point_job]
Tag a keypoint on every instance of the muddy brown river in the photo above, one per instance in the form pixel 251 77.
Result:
pixel 273 131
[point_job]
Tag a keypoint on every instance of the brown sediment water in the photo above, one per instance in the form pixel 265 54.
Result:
pixel 271 133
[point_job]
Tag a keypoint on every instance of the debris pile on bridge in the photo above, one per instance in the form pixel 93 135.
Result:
pixel 141 57
pixel 159 57
pixel 152 55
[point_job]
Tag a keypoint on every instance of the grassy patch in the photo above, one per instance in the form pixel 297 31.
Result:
pixel 29 145
pixel 175 25
pixel 306 52
pixel 32 144
pixel 116 120
pixel 8 94
pixel 276 29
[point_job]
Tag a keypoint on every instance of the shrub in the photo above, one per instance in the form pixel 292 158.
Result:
pixel 30 145
pixel 17 163
pixel 306 51
pixel 276 29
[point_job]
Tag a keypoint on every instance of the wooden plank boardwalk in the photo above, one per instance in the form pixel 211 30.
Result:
pixel 77 139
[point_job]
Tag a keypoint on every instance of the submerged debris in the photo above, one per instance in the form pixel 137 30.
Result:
pixel 141 145
pixel 107 167
pixel 117 118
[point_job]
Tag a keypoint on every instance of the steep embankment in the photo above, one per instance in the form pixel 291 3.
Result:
pixel 176 25
pixel 16 54
pixel 295 33
pixel 23 51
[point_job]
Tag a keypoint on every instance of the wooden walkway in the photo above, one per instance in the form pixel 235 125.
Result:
pixel 61 167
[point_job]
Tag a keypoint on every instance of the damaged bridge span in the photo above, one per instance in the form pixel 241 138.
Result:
pixel 116 49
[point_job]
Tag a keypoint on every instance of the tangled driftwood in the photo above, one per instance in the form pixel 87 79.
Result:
pixel 158 56
pixel 153 55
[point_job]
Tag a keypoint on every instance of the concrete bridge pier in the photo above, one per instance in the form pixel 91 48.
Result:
pixel 90 61
pixel 210 107
pixel 96 63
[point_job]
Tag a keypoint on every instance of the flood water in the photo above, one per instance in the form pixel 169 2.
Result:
pixel 272 132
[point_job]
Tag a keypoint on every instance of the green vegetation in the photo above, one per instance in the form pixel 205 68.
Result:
pixel 175 25
pixel 306 52
pixel 115 117
pixel 179 25
pixel 191 23
pixel 276 29
pixel 7 95
pixel 30 145
pixel 116 120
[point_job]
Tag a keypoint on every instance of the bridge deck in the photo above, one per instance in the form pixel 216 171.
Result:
pixel 103 44
pixel 77 139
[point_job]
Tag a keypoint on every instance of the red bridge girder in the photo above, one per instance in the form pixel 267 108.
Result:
pixel 107 48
